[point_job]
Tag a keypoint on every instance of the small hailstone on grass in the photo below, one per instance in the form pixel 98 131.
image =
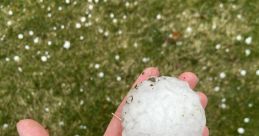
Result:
pixel 60 8
pixel 67 45
pixel 96 1
pixel 83 19
pixel 31 33
pixel 5 126
pixel 223 106
pixel 49 43
pixel 10 12
pixel 241 130
pixel 61 123
pixel 67 1
pixel 111 15
pixel 127 4
pixel 238 87
pixel 221 5
pixel 90 7
pixel 7 59
pixel 214 26
pixel 59 103
pixel 124 17
pixel 81 90
pixel 82 127
pixel 36 40
pixel 120 32
pixel 257 72
pixel 100 30
pixel 62 26
pixel 20 36
pixel 16 58
pixel 158 16
pixel 19 69
pixel 145 59
pixel 81 37
pixel 78 25
pixel 108 99
pixel 114 20
pixel 27 47
pixel 179 43
pixel 89 16
pixel 239 38
pixel 135 45
pixel 227 50
pixel 218 46
pixel 49 15
pixel 216 89
pixel 239 16
pixel 250 105
pixel 49 8
pixel 118 78
pixel 101 74
pixel 189 29
pixel 247 52
pixel 248 40
pixel 97 19
pixel 106 34
pixel 9 23
pixel 38 52
pixel 44 58
pixel 46 109
pixel 81 102
pixel 246 120
pixel 97 66
pixel 117 57
pixel 223 100
pixel 242 72
pixel 222 75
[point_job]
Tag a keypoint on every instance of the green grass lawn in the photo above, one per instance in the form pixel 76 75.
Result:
pixel 68 64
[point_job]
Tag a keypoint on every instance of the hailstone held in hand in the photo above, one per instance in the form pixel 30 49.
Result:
pixel 163 106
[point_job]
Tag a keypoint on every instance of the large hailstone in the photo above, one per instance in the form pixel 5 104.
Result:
pixel 163 106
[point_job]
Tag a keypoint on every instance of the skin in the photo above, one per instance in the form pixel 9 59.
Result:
pixel 29 127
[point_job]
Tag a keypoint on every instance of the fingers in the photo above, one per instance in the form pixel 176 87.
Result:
pixel 190 77
pixel 192 80
pixel 115 128
pixel 205 132
pixel 29 127
pixel 203 99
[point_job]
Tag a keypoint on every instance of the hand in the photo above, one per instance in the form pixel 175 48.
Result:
pixel 115 128
pixel 28 127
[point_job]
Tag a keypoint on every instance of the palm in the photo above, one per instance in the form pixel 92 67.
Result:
pixel 30 127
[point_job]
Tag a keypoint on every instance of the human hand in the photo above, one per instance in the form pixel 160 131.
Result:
pixel 28 127
pixel 115 129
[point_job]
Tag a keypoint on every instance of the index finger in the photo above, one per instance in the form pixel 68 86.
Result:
pixel 114 128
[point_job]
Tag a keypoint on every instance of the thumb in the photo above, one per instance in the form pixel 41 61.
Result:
pixel 29 127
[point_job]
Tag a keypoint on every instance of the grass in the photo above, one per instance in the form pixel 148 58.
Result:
pixel 73 91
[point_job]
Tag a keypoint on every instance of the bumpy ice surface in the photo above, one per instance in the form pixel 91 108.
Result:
pixel 163 106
